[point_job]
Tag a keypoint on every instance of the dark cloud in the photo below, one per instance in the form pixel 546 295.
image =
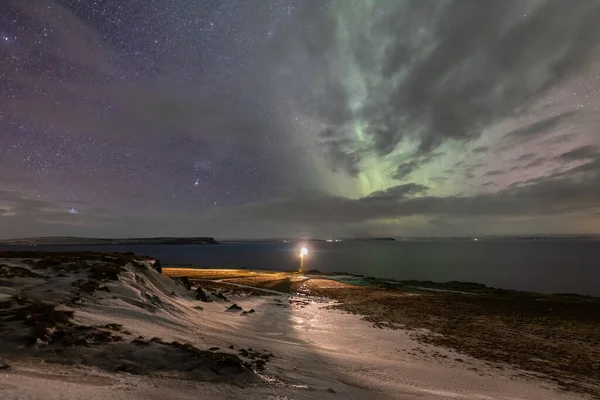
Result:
pixel 540 128
pixel 581 153
pixel 570 193
pixel 535 163
pixel 526 157
pixel 532 164
pixel 405 169
pixel 344 153
pixel 464 81
pixel 400 191
pixel 494 172
pixel 560 139
pixel 481 149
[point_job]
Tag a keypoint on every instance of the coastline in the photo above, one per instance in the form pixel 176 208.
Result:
pixel 109 325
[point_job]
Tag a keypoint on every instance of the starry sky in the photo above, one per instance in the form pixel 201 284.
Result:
pixel 291 118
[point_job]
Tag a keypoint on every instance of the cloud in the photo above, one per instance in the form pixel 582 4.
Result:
pixel 560 139
pixel 431 71
pixel 526 157
pixel 405 169
pixel 580 153
pixel 481 149
pixel 17 206
pixel 535 163
pixel 494 172
pixel 531 160
pixel 400 191
pixel 575 191
pixel 540 128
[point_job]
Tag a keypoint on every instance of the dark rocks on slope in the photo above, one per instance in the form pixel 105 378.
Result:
pixel 220 296
pixel 157 266
pixel 200 295
pixel 184 281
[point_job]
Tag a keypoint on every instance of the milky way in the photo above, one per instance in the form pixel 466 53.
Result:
pixel 296 118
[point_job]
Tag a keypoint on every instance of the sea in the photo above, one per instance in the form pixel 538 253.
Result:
pixel 538 266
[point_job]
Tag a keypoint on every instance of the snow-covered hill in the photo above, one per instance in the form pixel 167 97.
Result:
pixel 88 325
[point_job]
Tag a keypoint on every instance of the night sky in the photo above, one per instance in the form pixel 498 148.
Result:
pixel 257 118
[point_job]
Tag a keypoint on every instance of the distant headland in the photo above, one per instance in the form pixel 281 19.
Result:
pixel 78 241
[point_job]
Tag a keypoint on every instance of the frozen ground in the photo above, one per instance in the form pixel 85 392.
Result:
pixel 317 352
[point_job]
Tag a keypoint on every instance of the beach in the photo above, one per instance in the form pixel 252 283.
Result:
pixel 80 325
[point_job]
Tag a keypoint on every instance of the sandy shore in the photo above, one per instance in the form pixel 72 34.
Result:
pixel 92 325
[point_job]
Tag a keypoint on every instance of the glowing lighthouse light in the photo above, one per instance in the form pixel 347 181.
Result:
pixel 303 252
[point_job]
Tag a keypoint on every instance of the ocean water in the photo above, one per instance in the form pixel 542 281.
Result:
pixel 539 266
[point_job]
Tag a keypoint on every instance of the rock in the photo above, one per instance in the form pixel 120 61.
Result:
pixel 231 347
pixel 234 307
pixel 330 390
pixel 3 365
pixel 200 295
pixel 248 312
pixel 220 296
pixel 157 266
pixel 214 348
pixel 184 281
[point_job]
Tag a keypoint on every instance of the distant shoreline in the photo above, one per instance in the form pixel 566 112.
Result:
pixel 74 241
pixel 85 241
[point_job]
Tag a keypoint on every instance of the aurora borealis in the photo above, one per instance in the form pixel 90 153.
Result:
pixel 299 118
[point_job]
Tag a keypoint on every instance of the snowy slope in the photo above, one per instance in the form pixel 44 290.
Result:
pixel 290 348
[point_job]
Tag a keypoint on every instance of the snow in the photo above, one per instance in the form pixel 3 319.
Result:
pixel 318 352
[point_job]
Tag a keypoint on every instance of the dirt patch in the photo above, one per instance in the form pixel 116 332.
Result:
pixel 33 323
pixel 7 271
pixel 158 358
